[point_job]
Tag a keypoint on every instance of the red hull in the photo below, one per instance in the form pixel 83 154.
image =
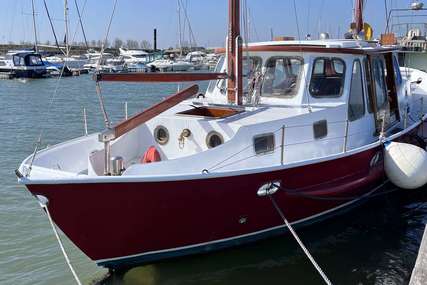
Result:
pixel 113 221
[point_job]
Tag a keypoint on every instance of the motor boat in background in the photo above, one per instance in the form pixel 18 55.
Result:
pixel 23 64
pixel 169 65
pixel 198 59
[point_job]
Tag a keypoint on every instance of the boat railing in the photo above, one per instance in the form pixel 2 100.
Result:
pixel 284 146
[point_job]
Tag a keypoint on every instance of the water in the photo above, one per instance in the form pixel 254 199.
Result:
pixel 376 243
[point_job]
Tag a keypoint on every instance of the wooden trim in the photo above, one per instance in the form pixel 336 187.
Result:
pixel 391 85
pixel 158 77
pixel 313 49
pixel 234 56
pixel 138 119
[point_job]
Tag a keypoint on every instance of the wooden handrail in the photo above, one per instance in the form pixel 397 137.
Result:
pixel 159 76
pixel 138 119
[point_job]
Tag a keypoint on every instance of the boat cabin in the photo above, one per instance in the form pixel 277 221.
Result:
pixel 23 64
pixel 302 101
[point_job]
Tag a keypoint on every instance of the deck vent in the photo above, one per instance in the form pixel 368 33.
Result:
pixel 320 129
pixel 264 144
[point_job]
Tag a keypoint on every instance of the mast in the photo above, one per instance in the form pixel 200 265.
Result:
pixel 234 54
pixel 358 16
pixel 35 27
pixel 179 27
pixel 66 27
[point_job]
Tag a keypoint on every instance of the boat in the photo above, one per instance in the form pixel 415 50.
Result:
pixel 309 124
pixel 168 65
pixel 23 64
pixel 198 59
pixel 409 35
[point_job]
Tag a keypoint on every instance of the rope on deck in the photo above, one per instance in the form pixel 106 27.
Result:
pixel 300 243
pixel 43 203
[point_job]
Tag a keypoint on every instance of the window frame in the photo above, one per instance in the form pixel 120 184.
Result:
pixel 343 79
pixel 357 61
pixel 299 76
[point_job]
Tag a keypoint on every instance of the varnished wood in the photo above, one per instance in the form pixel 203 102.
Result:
pixel 159 77
pixel 138 119
pixel 313 49
pixel 211 112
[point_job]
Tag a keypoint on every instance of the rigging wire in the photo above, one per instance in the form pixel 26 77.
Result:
pixel 52 26
pixel 98 67
pixel 190 29
pixel 49 108
pixel 81 23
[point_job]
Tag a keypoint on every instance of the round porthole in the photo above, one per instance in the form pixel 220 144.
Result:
pixel 214 139
pixel 161 135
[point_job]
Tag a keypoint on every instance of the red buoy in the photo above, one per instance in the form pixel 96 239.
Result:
pixel 151 155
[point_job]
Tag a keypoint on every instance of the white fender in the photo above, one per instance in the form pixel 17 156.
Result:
pixel 405 165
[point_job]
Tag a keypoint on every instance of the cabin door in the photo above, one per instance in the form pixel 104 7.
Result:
pixel 381 83
pixel 361 123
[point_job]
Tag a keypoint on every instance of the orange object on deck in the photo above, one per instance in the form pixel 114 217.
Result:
pixel 151 155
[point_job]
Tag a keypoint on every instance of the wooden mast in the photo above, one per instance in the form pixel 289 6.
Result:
pixel 234 54
pixel 358 16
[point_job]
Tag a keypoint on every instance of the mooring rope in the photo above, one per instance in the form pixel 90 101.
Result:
pixel 301 244
pixel 67 259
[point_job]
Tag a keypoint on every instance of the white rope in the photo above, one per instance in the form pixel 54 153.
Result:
pixel 67 259
pixel 307 253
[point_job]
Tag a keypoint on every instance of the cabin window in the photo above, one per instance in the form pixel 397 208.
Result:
pixel 250 67
pixel 34 60
pixel 264 144
pixel 219 82
pixel 282 76
pixel 18 61
pixel 320 129
pixel 379 82
pixel 327 79
pixel 356 102
pixel 397 73
pixel 368 76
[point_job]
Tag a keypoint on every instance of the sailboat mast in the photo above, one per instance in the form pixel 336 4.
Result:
pixel 358 16
pixel 234 54
pixel 67 49
pixel 35 27
pixel 180 27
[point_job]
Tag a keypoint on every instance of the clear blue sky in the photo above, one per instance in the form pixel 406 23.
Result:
pixel 135 19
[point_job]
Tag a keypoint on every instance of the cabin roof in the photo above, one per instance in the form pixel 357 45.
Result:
pixel 320 46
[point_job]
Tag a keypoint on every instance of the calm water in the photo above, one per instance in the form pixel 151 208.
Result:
pixel 376 243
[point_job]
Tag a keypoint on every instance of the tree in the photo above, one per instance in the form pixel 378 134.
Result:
pixel 118 43
pixel 132 44
pixel 145 44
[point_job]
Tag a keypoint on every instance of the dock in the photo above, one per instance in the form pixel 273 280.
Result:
pixel 419 274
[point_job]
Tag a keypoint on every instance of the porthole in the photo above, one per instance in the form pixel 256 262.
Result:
pixel 161 134
pixel 214 139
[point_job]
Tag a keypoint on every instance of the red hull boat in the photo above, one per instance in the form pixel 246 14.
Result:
pixel 319 126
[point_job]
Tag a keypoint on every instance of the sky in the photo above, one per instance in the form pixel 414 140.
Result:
pixel 136 19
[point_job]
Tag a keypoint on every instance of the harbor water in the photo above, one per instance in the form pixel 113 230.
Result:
pixel 376 243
